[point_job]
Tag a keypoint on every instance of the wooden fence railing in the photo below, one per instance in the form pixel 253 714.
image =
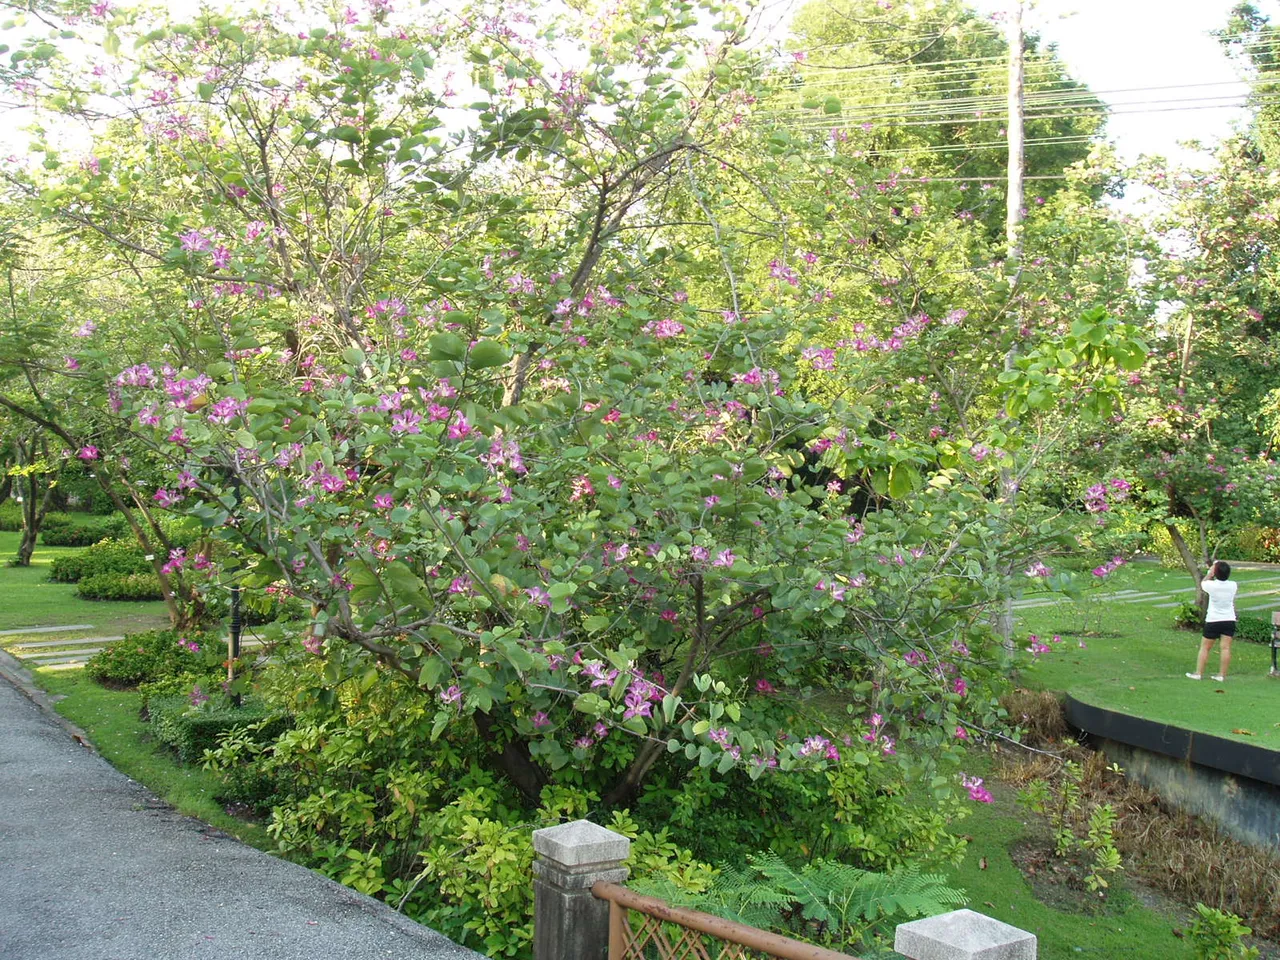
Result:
pixel 664 932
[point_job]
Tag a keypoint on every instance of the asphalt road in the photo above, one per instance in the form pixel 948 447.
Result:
pixel 93 867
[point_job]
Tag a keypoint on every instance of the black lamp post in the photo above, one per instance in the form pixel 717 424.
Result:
pixel 233 639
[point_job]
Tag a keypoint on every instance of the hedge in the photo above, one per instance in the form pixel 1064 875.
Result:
pixel 120 586
pixel 105 556
pixel 80 529
pixel 149 656
pixel 10 517
pixel 192 730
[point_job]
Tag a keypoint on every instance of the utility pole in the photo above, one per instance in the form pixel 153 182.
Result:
pixel 1017 136
pixel 1014 205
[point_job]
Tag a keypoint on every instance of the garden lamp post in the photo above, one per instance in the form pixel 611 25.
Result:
pixel 233 638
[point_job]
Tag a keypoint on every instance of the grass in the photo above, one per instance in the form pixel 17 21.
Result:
pixel 1124 927
pixel 112 721
pixel 31 600
pixel 1133 660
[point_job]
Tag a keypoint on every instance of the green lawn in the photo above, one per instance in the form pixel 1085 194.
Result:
pixel 1136 661
pixel 1125 927
pixel 30 600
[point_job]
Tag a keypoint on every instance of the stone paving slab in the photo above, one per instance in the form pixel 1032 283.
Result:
pixel 66 629
pixel 39 644
pixel 97 868
pixel 64 654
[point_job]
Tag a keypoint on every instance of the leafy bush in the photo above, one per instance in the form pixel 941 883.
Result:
pixel 105 556
pixel 1253 543
pixel 10 517
pixel 1253 630
pixel 832 904
pixel 80 529
pixel 121 586
pixel 1216 935
pixel 1187 616
pixel 194 722
pixel 150 656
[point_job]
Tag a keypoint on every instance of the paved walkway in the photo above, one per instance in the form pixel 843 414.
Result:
pixel 68 653
pixel 93 867
pixel 1265 589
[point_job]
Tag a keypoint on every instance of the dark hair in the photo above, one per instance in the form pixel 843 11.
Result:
pixel 1222 569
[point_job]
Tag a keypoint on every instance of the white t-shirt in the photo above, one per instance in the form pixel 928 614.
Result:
pixel 1222 596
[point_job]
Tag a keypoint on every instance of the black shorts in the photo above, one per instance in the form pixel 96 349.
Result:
pixel 1219 628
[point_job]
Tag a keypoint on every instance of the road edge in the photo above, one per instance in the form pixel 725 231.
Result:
pixel 18 676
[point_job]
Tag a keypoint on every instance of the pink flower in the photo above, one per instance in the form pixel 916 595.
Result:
pixel 460 427
pixel 406 421
pixel 384 501
pixel 167 498
pixel 723 559
pixel 764 686
pixel 962 733
pixel 88 453
pixel 540 719
pixel 72 363
pixel 667 328
pixel 452 695
pixel 581 487
pixel 85 329
pixel 976 790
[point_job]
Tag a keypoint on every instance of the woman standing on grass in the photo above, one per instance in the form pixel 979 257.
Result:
pixel 1219 619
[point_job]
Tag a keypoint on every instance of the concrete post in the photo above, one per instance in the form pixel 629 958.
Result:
pixel 963 935
pixel 568 922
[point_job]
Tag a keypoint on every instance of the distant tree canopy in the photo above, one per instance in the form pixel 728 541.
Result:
pixel 925 85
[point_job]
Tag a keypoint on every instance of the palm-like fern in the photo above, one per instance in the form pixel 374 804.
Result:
pixel 824 901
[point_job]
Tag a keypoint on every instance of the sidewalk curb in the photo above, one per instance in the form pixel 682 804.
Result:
pixel 20 678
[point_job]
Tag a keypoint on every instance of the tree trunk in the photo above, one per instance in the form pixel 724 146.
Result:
pixel 1189 561
pixel 514 760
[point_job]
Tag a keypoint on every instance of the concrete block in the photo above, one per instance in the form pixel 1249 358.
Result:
pixel 579 843
pixel 963 935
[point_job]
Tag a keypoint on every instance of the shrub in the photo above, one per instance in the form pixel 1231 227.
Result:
pixel 1187 616
pixel 1254 543
pixel 1216 935
pixel 121 586
pixel 10 517
pixel 193 723
pixel 106 556
pixel 149 656
pixel 1253 630
pixel 80 529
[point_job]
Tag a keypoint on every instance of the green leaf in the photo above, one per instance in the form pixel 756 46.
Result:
pixel 448 346
pixel 487 353
pixel 831 105
pixel 346 133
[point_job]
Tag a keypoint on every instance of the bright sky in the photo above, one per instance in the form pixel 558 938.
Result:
pixel 1120 45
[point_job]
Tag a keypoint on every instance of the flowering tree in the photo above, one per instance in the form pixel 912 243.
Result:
pixel 536 399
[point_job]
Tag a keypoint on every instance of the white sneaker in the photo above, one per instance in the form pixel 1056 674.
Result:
pixel 1219 678
pixel 1193 676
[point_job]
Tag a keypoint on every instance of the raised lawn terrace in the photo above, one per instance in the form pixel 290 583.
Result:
pixel 1119 650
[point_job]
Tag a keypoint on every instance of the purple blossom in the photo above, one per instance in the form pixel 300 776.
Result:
pixel 406 421
pixel 140 375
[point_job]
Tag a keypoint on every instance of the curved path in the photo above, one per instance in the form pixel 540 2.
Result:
pixel 93 867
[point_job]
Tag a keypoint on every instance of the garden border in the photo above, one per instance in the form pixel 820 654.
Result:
pixel 1218 753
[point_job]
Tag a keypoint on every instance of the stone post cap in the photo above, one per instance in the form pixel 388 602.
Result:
pixel 579 843
pixel 963 935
